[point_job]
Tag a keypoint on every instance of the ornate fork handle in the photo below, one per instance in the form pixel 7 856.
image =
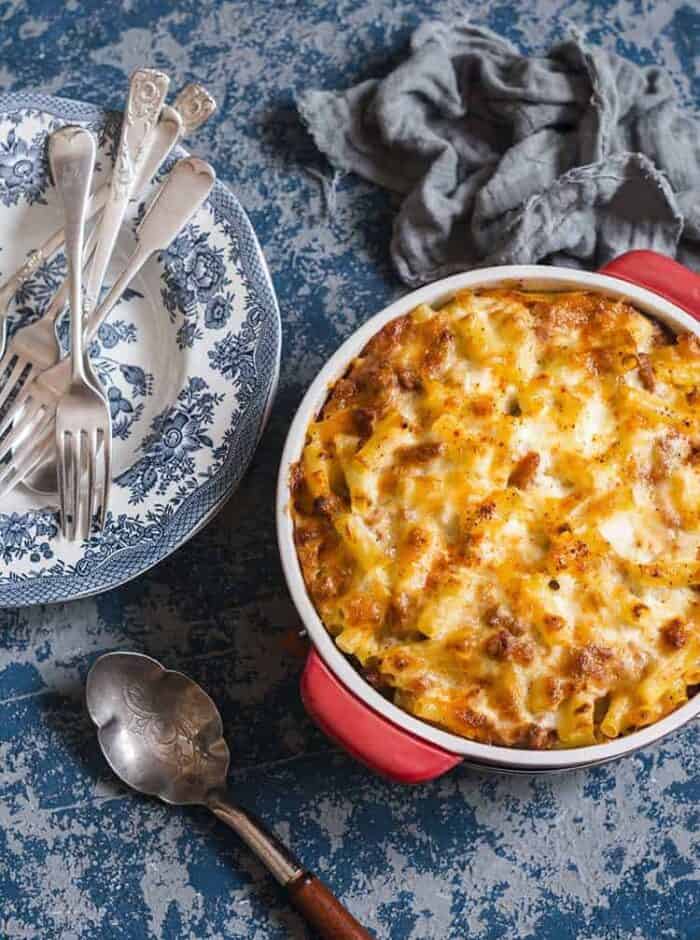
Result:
pixel 195 106
pixel 183 192
pixel 147 91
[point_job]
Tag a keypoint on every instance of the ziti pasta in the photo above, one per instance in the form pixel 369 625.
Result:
pixel 497 514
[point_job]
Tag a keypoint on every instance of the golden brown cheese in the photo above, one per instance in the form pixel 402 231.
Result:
pixel 497 514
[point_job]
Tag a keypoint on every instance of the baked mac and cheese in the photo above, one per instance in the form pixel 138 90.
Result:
pixel 497 514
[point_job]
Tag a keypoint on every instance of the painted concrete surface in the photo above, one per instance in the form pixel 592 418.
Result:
pixel 602 854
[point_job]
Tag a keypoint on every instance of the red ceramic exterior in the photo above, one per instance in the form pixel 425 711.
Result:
pixel 369 737
pixel 660 274
pixel 381 745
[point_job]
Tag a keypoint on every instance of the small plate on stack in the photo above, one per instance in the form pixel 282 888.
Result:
pixel 189 360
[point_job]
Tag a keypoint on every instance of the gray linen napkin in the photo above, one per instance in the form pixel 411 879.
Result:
pixel 501 158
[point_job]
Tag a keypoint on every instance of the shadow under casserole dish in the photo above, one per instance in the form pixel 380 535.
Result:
pixel 497 515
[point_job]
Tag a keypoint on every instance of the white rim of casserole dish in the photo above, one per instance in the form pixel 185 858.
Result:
pixel 528 277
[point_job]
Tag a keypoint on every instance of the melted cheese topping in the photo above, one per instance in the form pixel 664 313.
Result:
pixel 497 515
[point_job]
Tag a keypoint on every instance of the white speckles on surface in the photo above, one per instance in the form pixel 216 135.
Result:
pixel 165 882
pixel 607 854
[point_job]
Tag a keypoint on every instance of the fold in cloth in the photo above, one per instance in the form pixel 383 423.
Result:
pixel 573 158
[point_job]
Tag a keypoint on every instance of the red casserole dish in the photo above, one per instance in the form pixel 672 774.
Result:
pixel 391 742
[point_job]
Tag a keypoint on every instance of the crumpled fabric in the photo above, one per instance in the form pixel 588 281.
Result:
pixel 572 158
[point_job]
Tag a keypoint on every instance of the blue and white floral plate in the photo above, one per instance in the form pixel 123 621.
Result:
pixel 189 359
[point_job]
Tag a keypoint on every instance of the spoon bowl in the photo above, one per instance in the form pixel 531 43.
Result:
pixel 159 731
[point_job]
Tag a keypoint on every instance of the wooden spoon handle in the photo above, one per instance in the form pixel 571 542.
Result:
pixel 314 901
pixel 322 909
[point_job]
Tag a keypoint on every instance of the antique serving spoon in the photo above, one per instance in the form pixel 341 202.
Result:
pixel 162 735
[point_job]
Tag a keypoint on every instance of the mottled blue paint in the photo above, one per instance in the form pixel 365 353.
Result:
pixel 609 853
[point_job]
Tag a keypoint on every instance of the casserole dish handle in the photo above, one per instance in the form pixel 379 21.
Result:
pixel 660 274
pixel 376 742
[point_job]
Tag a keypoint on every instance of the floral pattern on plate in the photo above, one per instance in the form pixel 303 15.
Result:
pixel 24 168
pixel 196 277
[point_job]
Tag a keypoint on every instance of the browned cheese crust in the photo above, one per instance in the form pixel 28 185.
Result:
pixel 497 516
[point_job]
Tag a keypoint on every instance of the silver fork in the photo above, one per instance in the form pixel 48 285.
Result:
pixel 194 105
pixel 82 415
pixel 32 413
pixel 34 347
pixel 147 91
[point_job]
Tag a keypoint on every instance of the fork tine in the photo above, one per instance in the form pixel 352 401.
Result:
pixel 3 330
pixel 19 456
pixel 12 380
pixel 15 409
pixel 10 367
pixel 24 428
pixel 106 438
pixel 62 475
pixel 73 478
pixel 19 429
pixel 91 502
pixel 73 483
pixel 82 494
pixel 27 460
pixel 76 471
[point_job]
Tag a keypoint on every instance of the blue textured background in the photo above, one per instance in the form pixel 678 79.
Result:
pixel 607 853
